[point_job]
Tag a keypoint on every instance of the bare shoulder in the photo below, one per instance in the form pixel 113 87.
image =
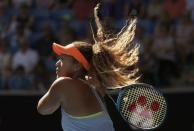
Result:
pixel 62 83
pixel 59 82
pixel 66 85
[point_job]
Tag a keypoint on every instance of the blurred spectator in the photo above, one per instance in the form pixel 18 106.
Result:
pixel 5 60
pixel 44 43
pixel 163 50
pixel 66 34
pixel 82 9
pixel 119 9
pixel 147 24
pixel 154 9
pixel 25 57
pixel 5 56
pixel 189 5
pixel 79 27
pixel 13 39
pixel 21 24
pixel 148 65
pixel 135 7
pixel 190 59
pixel 4 17
pixel 174 8
pixel 41 76
pixel 18 3
pixel 24 19
pixel 187 77
pixel 19 80
pixel 45 4
pixel 182 39
pixel 190 8
pixel 108 8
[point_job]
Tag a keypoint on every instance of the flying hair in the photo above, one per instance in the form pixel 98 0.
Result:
pixel 115 59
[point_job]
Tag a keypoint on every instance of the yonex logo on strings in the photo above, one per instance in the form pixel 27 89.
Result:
pixel 141 107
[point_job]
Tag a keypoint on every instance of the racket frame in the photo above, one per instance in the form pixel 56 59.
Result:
pixel 136 85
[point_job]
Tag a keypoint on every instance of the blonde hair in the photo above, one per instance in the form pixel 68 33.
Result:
pixel 114 60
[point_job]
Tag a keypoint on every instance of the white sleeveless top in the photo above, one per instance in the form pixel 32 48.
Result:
pixel 95 122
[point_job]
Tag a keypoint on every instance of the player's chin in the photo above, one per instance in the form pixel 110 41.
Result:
pixel 60 74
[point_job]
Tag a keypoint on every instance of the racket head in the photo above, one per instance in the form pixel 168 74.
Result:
pixel 142 106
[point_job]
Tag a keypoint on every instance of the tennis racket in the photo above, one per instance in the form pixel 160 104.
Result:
pixel 141 106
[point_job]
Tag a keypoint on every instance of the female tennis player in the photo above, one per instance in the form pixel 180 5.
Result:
pixel 83 73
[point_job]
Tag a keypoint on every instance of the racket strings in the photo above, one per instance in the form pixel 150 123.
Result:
pixel 143 107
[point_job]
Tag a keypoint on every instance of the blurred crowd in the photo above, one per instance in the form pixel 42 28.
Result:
pixel 28 28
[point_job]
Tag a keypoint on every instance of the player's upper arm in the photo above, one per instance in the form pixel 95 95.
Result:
pixel 51 101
